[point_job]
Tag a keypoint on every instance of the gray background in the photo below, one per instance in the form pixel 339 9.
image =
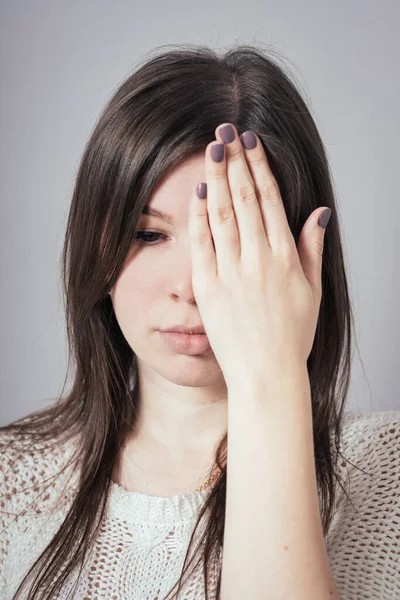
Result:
pixel 61 61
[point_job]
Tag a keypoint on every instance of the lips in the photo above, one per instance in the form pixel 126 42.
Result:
pixel 182 343
pixel 195 329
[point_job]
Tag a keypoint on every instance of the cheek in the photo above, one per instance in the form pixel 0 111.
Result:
pixel 135 296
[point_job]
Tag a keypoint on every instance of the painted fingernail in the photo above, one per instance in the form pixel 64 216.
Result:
pixel 227 134
pixel 217 152
pixel 202 191
pixel 324 218
pixel 249 140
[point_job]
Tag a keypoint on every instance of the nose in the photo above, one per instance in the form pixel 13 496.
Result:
pixel 179 275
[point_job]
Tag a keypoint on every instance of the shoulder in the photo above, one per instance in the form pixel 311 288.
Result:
pixel 369 458
pixel 375 433
pixel 29 467
pixel 370 440
pixel 364 535
pixel 31 490
pixel 368 423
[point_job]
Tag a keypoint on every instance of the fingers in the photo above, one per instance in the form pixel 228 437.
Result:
pixel 221 214
pixel 204 263
pixel 243 216
pixel 239 194
pixel 270 200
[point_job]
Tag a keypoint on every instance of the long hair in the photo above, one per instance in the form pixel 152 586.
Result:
pixel 163 112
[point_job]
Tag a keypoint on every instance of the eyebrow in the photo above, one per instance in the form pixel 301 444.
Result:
pixel 153 212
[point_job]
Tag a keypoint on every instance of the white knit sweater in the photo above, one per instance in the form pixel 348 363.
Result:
pixel 139 552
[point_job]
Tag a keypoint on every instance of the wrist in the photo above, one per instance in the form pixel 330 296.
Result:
pixel 271 387
pixel 286 375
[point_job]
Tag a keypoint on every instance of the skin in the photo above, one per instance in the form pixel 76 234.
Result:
pixel 259 296
pixel 182 399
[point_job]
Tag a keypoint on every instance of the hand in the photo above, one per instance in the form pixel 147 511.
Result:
pixel 258 295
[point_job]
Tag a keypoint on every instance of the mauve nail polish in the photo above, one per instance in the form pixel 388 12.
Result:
pixel 227 134
pixel 324 218
pixel 249 140
pixel 217 152
pixel 202 191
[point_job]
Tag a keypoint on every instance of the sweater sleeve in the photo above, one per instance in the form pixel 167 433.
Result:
pixel 364 539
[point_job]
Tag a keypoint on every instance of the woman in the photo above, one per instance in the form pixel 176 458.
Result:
pixel 120 489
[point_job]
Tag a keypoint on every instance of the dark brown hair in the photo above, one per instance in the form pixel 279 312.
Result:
pixel 165 111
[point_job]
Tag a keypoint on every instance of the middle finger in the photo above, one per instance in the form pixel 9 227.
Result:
pixel 244 195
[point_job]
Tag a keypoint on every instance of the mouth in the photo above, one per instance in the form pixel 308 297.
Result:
pixel 194 330
pixel 186 343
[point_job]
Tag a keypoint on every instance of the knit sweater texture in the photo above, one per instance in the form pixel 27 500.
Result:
pixel 139 551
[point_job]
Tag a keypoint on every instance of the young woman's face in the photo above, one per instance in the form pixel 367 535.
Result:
pixel 154 289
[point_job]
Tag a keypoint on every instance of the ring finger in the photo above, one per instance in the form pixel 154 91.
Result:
pixel 243 191
pixel 221 214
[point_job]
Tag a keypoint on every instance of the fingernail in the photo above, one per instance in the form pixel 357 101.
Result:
pixel 227 134
pixel 249 140
pixel 202 191
pixel 324 218
pixel 217 152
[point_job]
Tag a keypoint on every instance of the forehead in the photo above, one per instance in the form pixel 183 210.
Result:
pixel 169 200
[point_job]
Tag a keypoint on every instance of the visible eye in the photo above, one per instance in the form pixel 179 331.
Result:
pixel 141 237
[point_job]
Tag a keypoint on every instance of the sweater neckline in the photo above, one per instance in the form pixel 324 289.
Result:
pixel 139 507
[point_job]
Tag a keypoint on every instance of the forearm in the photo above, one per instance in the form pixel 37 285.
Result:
pixel 274 546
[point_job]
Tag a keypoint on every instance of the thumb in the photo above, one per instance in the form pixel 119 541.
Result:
pixel 310 246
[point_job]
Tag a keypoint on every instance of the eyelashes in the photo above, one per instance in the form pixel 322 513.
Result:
pixel 141 237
